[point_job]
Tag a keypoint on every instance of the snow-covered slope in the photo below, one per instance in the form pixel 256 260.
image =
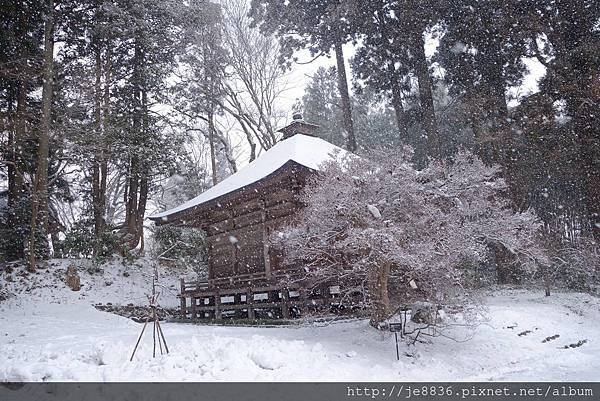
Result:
pixel 306 150
pixel 115 282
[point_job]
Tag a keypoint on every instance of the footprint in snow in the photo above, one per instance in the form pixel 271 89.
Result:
pixel 574 345
pixel 524 333
pixel 551 338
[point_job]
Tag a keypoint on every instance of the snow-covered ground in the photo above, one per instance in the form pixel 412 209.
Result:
pixel 57 335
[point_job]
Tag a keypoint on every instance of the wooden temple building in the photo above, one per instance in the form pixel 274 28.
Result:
pixel 238 215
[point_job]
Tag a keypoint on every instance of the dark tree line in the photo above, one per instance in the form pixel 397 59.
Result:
pixel 548 142
pixel 82 84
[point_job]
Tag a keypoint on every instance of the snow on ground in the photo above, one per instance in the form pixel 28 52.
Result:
pixel 59 336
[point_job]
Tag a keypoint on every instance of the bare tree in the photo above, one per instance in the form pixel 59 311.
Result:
pixel 255 80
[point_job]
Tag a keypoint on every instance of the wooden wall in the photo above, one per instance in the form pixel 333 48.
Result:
pixel 237 230
pixel 238 224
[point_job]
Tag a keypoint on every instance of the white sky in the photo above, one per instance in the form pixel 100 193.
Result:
pixel 301 73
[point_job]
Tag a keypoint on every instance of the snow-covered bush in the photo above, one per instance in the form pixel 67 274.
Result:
pixel 379 226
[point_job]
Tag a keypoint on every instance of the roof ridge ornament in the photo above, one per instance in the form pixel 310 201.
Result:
pixel 298 126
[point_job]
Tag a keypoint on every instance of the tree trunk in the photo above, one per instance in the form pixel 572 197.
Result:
pixel 144 178
pixel 13 192
pixel 547 281
pixel 426 96
pixel 96 162
pixel 575 78
pixel 211 142
pixel 15 170
pixel 572 77
pixel 56 245
pixel 399 111
pixel 132 202
pixel 39 195
pixel 380 308
pixel 345 97
pixel 507 266
pixel 492 109
pixel 587 127
pixel 104 151
pixel 396 90
pixel 137 183
pixel 15 181
pixel 141 211
pixel 251 142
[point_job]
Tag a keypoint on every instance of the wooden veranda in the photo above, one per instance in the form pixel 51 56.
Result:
pixel 255 296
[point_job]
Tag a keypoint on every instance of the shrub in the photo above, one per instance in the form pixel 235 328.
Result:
pixel 182 247
pixel 405 235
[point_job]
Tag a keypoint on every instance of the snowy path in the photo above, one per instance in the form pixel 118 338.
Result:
pixel 73 341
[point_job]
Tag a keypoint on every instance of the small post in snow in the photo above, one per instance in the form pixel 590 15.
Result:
pixel 395 328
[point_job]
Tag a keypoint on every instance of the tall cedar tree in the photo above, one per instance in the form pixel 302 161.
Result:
pixel 39 195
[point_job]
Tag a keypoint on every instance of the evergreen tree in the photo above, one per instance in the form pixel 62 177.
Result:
pixel 374 121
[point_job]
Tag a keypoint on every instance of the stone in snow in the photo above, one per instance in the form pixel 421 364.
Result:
pixel 374 211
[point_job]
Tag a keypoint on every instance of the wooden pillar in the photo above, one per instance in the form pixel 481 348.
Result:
pixel 265 239
pixel 193 308
pixel 234 245
pixel 211 272
pixel 217 305
pixel 325 296
pixel 183 310
pixel 285 304
pixel 237 300
pixel 303 298
pixel 250 303
pixel 182 299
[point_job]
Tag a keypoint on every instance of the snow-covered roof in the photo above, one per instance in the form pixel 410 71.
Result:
pixel 306 150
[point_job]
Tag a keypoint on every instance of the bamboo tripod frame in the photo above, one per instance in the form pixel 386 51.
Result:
pixel 155 323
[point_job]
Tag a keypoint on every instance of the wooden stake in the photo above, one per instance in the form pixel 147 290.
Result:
pixel 162 336
pixel 154 334
pixel 139 338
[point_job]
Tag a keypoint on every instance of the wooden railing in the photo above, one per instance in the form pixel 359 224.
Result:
pixel 241 280
pixel 245 295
